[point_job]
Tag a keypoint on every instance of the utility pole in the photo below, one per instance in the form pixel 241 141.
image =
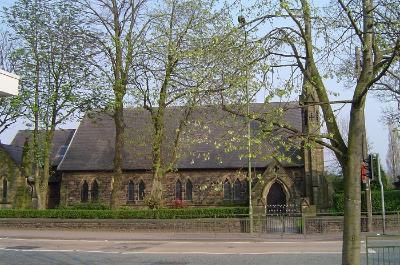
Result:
pixel 368 197
pixel 242 22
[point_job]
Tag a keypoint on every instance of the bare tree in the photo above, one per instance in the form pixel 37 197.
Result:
pixel 181 61
pixel 52 58
pixel 117 28
pixel 314 43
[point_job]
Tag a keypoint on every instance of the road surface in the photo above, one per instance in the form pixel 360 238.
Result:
pixel 62 247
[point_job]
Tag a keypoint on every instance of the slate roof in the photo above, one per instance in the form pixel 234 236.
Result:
pixel 15 152
pixel 211 139
pixel 61 140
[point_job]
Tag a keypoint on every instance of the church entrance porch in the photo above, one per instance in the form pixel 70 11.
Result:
pixel 276 199
pixel 281 217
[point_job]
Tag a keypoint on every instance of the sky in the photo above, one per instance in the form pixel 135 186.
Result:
pixel 377 131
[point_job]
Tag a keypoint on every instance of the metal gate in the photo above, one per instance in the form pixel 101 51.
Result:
pixel 282 219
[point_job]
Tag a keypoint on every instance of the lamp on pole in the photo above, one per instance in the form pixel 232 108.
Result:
pixel 382 195
pixel 393 143
pixel 242 22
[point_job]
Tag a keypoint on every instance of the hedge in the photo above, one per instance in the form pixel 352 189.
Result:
pixel 392 201
pixel 186 213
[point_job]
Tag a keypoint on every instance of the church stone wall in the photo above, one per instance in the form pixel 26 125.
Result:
pixel 208 186
pixel 13 188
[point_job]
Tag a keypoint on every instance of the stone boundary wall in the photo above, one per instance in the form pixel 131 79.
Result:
pixel 220 225
pixel 332 224
pixel 305 225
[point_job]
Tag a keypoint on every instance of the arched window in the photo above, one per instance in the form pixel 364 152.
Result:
pixel 5 190
pixel 141 190
pixel 178 190
pixel 245 188
pixel 227 190
pixel 237 190
pixel 85 192
pixel 189 190
pixel 131 191
pixel 95 191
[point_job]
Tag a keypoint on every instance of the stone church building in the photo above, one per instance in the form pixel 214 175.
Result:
pixel 210 166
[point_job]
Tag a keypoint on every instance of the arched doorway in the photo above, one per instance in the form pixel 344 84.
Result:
pixel 276 199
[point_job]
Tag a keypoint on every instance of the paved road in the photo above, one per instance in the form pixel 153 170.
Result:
pixel 74 258
pixel 82 247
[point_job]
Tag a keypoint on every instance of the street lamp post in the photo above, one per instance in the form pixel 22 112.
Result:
pixel 382 195
pixel 394 138
pixel 242 22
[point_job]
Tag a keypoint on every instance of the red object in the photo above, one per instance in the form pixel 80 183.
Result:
pixel 363 175
pixel 177 204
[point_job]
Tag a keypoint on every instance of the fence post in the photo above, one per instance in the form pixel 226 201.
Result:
pixel 366 248
pixel 303 224
pixel 215 223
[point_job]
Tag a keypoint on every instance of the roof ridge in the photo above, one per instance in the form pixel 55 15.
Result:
pixel 199 106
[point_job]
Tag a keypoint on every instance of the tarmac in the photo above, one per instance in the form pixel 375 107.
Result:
pixel 161 236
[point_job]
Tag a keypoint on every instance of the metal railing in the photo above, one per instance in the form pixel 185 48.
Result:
pixel 331 223
pixel 285 222
pixel 383 250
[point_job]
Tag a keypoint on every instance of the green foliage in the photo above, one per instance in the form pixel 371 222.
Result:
pixel 338 202
pixel 336 181
pixel 392 201
pixel 153 202
pixel 22 198
pixel 185 213
pixel 87 206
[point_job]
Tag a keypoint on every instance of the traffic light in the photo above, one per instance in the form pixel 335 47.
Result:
pixel 369 167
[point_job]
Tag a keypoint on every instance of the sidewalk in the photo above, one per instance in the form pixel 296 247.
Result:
pixel 165 236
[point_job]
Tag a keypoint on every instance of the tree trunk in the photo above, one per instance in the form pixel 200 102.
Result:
pixel 158 123
pixel 116 180
pixel 158 172
pixel 36 156
pixel 352 204
pixel 42 182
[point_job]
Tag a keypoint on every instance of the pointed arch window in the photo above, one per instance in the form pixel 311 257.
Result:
pixel 131 191
pixel 95 191
pixel 237 190
pixel 178 190
pixel 245 189
pixel 5 190
pixel 85 192
pixel 142 188
pixel 189 190
pixel 227 190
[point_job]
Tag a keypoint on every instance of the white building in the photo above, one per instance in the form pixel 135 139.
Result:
pixel 8 84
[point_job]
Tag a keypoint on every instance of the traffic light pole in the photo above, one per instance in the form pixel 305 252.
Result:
pixel 368 197
pixel 369 203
